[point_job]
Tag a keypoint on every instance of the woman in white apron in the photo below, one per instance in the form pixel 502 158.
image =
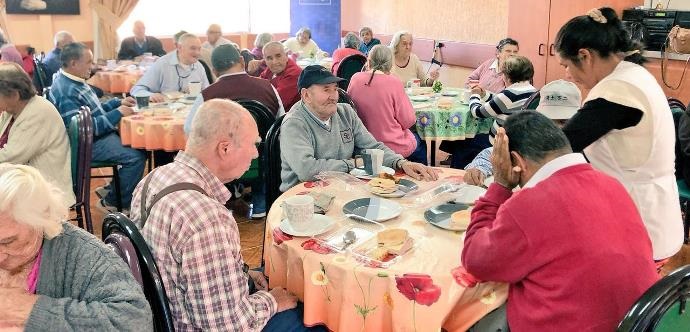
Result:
pixel 624 127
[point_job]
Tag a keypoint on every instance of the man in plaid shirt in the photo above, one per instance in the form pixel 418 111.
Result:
pixel 195 239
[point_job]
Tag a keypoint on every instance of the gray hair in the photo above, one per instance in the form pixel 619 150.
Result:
pixel 273 43
pixel 61 36
pixel 396 40
pixel 262 39
pixel 351 41
pixel 365 29
pixel 303 30
pixel 214 119
pixel 72 52
pixel 381 58
pixel 13 78
pixel 185 37
pixel 28 198
pixel 534 136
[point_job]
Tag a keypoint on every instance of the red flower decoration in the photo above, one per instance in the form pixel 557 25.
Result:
pixel 319 183
pixel 280 237
pixel 314 246
pixel 464 278
pixel 419 288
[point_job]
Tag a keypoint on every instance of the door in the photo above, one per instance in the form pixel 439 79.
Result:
pixel 528 23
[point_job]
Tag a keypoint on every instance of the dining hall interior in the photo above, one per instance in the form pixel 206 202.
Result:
pixel 345 165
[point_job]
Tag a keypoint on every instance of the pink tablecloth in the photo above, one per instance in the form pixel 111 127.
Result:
pixel 417 293
pixel 157 129
pixel 115 82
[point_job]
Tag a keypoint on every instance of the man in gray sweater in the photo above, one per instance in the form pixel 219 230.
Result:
pixel 318 134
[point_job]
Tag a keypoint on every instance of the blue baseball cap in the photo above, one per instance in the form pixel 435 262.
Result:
pixel 315 74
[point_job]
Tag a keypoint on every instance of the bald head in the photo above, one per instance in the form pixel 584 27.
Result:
pixel 216 119
pixel 139 29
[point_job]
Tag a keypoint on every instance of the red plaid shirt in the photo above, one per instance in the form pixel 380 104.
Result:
pixel 196 244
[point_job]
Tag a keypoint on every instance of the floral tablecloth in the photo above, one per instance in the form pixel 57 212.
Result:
pixel 115 81
pixel 449 124
pixel 424 291
pixel 154 129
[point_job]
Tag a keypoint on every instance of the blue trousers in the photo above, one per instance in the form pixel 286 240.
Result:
pixel 464 151
pixel 419 154
pixel 108 148
pixel 291 321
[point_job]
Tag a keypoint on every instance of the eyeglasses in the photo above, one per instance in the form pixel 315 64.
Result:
pixel 180 77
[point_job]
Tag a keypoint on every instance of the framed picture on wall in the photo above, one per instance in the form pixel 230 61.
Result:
pixel 43 7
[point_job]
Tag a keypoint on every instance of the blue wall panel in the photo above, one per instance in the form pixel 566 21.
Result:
pixel 322 17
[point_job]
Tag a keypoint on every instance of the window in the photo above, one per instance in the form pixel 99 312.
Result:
pixel 169 17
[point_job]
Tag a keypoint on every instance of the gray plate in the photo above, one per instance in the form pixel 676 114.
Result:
pixel 439 215
pixel 404 187
pixel 377 209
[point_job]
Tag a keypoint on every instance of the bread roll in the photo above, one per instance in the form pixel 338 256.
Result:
pixel 460 219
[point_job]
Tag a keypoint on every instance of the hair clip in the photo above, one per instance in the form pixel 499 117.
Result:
pixel 596 15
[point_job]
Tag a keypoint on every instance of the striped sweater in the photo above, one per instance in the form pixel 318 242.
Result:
pixel 501 105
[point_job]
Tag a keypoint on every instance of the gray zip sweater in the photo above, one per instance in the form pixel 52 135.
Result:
pixel 308 146
pixel 84 286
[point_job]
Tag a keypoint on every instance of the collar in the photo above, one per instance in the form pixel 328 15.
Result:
pixel 554 166
pixel 324 124
pixel 217 189
pixel 173 61
pixel 72 77
pixel 232 74
pixel 494 65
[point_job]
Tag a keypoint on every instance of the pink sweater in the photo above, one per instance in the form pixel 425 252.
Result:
pixel 489 78
pixel 385 110
pixel 340 54
pixel 573 249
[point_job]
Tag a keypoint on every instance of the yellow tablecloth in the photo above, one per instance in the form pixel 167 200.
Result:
pixel 348 296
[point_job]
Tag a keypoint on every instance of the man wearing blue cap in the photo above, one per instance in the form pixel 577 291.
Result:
pixel 319 134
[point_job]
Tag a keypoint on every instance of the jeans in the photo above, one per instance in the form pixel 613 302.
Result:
pixel 291 321
pixel 464 151
pixel 108 148
pixel 419 154
pixel 495 321
pixel 258 195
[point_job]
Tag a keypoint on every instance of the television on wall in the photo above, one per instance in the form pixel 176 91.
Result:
pixel 43 7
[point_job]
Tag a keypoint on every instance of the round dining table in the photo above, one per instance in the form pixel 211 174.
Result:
pixel 156 128
pixel 116 81
pixel 425 289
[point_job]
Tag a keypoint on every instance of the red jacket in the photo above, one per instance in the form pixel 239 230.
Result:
pixel 285 83
pixel 573 249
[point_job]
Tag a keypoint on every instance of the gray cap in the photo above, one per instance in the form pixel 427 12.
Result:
pixel 224 57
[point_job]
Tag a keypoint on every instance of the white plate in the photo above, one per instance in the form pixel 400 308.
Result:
pixel 362 174
pixel 450 93
pixel 418 106
pixel 468 194
pixel 377 209
pixel 318 225
pixel 419 98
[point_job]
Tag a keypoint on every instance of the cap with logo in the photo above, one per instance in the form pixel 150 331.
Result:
pixel 559 100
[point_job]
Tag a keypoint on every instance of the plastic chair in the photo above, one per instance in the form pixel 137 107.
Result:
pixel 532 102
pixel 124 248
pixel 117 223
pixel 663 307
pixel 343 97
pixel 80 151
pixel 349 66
pixel 264 119
pixel 273 161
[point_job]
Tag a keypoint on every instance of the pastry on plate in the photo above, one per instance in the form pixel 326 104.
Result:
pixel 382 186
pixel 460 219
pixel 389 177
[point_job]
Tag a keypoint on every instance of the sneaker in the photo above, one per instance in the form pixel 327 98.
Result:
pixel 107 208
pixel 102 191
pixel 258 215
pixel 33 4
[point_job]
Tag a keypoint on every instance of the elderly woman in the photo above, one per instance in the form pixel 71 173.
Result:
pixel 488 75
pixel 8 52
pixel 302 45
pixel 350 47
pixel 384 107
pixel 53 275
pixel 368 40
pixel 31 130
pixel 261 40
pixel 625 126
pixel 406 65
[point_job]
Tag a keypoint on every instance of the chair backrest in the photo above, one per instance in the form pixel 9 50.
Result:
pixel 349 66
pixel 532 102
pixel 39 78
pixel 86 141
pixel 678 111
pixel 124 248
pixel 80 137
pixel 663 307
pixel 273 161
pixel 150 276
pixel 343 97
pixel 674 103
pixel 247 56
pixel 207 70
pixel 262 115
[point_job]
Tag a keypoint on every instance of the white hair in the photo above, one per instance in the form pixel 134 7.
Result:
pixel 351 41
pixel 262 39
pixel 28 198
pixel 60 37
pixel 214 119
pixel 396 40
pixel 381 58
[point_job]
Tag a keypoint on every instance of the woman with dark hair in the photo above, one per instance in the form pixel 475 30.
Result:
pixel 625 126
pixel 488 75
pixel 31 130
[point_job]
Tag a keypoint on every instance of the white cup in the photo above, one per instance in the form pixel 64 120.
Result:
pixel 111 64
pixel 194 88
pixel 466 95
pixel 376 160
pixel 299 211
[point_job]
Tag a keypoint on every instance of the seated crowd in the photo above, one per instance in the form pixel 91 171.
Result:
pixel 589 251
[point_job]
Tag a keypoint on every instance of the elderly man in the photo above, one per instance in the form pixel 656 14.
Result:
pixel 281 71
pixel 52 61
pixel 139 44
pixel 584 252
pixel 174 71
pixel 318 134
pixel 214 38
pixel 195 239
pixel 69 92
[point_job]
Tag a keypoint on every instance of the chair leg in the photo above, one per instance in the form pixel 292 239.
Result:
pixel 118 193
pixel 686 222
pixel 80 215
pixel 87 216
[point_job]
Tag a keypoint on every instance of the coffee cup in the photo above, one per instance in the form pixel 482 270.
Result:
pixel 466 96
pixel 194 88
pixel 142 101
pixel 299 211
pixel 372 161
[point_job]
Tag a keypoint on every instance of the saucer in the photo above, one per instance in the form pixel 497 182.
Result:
pixel 419 98
pixel 376 209
pixel 319 224
pixel 450 93
pixel 362 174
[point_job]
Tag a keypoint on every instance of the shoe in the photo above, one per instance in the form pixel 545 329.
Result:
pixel 101 192
pixel 107 208
pixel 259 215
pixel 33 4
